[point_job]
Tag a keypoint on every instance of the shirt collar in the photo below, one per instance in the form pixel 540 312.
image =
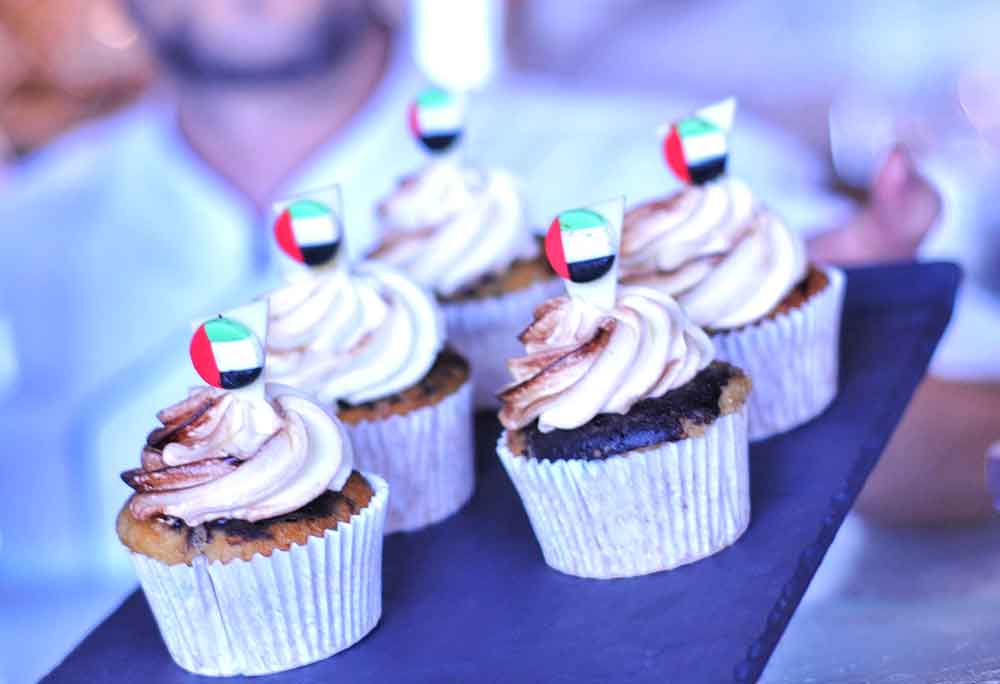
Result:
pixel 210 195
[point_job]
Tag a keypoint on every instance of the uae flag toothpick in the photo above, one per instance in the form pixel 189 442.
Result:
pixel 582 248
pixel 436 118
pixel 308 227
pixel 228 351
pixel 696 148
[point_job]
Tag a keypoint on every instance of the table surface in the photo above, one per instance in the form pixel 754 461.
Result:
pixel 899 606
pixel 471 599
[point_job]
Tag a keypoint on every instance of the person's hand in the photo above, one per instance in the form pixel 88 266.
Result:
pixel 902 208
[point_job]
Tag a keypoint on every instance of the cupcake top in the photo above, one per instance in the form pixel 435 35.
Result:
pixel 450 225
pixel 239 455
pixel 582 360
pixel 352 334
pixel 727 260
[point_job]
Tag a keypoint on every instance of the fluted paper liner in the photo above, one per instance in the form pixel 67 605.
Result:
pixel 426 455
pixel 485 332
pixel 640 512
pixel 274 613
pixel 792 360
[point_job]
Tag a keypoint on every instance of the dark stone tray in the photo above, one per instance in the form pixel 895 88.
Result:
pixel 471 600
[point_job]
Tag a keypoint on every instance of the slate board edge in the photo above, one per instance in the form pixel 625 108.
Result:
pixel 759 652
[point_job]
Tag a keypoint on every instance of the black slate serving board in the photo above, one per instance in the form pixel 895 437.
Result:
pixel 471 600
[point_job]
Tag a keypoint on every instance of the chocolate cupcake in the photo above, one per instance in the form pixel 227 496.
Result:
pixel 257 543
pixel 460 231
pixel 368 342
pixel 739 271
pixel 625 441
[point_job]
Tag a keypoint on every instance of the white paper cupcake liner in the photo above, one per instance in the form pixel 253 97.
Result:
pixel 426 455
pixel 271 614
pixel 644 511
pixel 792 360
pixel 485 332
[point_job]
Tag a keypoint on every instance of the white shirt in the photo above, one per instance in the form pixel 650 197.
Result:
pixel 117 236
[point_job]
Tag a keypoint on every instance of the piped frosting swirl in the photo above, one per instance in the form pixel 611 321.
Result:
pixel 449 226
pixel 581 361
pixel 352 335
pixel 726 260
pixel 239 455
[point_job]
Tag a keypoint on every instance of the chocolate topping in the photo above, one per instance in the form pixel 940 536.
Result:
pixel 329 504
pixel 178 477
pixel 650 422
pixel 323 506
pixel 178 430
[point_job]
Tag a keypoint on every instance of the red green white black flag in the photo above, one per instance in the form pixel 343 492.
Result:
pixel 436 118
pixel 227 351
pixel 696 148
pixel 582 247
pixel 308 227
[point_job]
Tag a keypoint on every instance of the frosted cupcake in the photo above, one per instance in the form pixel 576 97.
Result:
pixel 368 341
pixel 625 440
pixel 740 272
pixel 257 543
pixel 460 231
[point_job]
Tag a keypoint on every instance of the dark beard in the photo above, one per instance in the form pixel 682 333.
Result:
pixel 332 38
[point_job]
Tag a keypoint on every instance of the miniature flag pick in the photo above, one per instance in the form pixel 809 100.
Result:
pixel 582 248
pixel 436 119
pixel 308 227
pixel 228 351
pixel 696 148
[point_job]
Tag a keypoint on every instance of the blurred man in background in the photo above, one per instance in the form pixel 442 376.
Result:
pixel 124 230
pixel 119 233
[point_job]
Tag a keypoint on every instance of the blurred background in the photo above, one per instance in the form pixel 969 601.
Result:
pixel 64 62
pixel 825 90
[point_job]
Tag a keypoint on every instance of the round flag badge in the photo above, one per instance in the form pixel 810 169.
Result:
pixel 696 148
pixel 308 231
pixel 226 353
pixel 579 245
pixel 436 119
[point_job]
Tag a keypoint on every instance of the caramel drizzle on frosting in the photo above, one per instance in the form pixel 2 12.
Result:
pixel 179 477
pixel 354 335
pixel 580 360
pixel 548 372
pixel 235 455
pixel 182 420
pixel 180 425
pixel 449 226
pixel 727 260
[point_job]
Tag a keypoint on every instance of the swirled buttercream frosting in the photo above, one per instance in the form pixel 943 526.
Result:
pixel 239 455
pixel 727 261
pixel 449 226
pixel 352 335
pixel 581 360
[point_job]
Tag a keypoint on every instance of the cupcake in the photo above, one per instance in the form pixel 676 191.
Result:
pixel 742 274
pixel 625 440
pixel 460 231
pixel 256 541
pixel 368 342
